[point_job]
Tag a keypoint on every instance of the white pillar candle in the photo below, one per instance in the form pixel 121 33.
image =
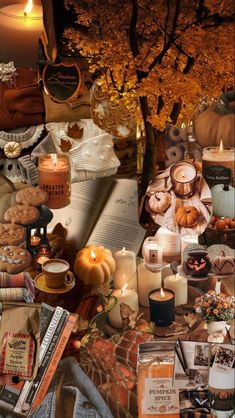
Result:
pixel 179 285
pixel 147 281
pixel 186 241
pixel 152 253
pixel 170 243
pixel 20 34
pixel 125 272
pixel 127 296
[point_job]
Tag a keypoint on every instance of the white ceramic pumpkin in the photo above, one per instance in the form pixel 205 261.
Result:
pixel 223 198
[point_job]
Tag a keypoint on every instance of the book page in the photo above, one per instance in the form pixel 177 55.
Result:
pixel 118 224
pixel 79 217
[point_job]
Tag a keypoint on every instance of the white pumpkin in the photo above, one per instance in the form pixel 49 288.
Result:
pixel 223 264
pixel 223 198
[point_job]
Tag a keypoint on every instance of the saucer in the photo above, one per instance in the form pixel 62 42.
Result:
pixel 40 284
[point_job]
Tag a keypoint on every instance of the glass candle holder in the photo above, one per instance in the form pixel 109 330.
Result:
pixel 54 177
pixel 152 254
pixel 218 165
pixel 184 177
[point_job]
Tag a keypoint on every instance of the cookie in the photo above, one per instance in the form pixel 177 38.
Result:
pixel 12 234
pixel 21 214
pixel 33 196
pixel 14 259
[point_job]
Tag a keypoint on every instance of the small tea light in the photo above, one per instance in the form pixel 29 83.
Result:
pixel 43 255
pixel 124 295
pixel 162 307
pixel 35 241
pixel 183 176
pixel 41 259
pixel 152 253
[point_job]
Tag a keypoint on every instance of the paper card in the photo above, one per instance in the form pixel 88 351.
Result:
pixel 160 397
pixel 224 359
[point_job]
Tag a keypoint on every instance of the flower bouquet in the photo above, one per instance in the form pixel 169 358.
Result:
pixel 217 309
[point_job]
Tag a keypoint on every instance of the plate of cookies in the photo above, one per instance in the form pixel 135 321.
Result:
pixel 179 199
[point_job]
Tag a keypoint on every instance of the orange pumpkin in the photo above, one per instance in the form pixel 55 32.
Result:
pixel 94 266
pixel 187 216
pixel 215 122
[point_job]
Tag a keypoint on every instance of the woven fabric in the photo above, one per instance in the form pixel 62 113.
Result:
pixel 17 294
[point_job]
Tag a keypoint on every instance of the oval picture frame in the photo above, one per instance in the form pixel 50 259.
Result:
pixel 61 82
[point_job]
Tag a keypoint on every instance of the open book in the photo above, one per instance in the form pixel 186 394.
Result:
pixel 104 212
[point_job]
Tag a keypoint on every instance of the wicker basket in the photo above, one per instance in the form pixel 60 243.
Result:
pixel 214 236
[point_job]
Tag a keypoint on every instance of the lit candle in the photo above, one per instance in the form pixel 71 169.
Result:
pixel 218 164
pixel 124 295
pixel 54 178
pixel 186 242
pixel 170 243
pixel 35 241
pixel 183 176
pixel 20 29
pixel 179 285
pixel 162 307
pixel 147 281
pixel 41 259
pixel 125 271
pixel 152 253
pixel 94 265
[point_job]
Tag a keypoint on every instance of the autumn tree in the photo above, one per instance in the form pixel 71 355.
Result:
pixel 158 56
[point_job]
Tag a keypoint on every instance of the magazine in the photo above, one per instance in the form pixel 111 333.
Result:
pixel 197 358
pixel 102 212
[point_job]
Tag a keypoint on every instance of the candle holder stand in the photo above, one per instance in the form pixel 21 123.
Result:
pixel 40 226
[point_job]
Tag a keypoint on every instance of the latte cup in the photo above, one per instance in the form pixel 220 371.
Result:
pixel 56 272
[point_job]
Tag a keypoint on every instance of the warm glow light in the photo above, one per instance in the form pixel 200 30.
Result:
pixel 162 293
pixel 123 289
pixel 221 145
pixel 93 255
pixel 124 249
pixel 28 8
pixel 183 125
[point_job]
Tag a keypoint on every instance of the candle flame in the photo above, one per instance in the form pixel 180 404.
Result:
pixel 123 249
pixel 183 125
pixel 221 145
pixel 54 159
pixel 93 255
pixel 162 293
pixel 28 8
pixel 123 289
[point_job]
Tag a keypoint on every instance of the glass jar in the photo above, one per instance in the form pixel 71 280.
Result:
pixel 155 368
pixel 54 178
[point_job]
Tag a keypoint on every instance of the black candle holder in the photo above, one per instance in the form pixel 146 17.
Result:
pixel 40 226
pixel 162 312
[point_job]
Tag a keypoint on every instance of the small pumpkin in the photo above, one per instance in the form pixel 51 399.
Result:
pixel 223 264
pixel 187 216
pixel 159 202
pixel 197 263
pixel 94 266
pixel 223 197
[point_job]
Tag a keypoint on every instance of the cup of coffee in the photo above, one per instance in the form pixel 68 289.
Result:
pixel 56 272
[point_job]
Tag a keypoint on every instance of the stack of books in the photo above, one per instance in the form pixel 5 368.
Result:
pixel 56 327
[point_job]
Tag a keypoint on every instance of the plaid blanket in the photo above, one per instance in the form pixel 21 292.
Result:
pixel 16 294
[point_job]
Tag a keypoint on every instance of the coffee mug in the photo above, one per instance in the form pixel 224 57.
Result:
pixel 56 272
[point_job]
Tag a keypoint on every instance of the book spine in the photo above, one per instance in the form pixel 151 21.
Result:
pixel 61 344
pixel 45 362
pixel 47 313
pixel 43 349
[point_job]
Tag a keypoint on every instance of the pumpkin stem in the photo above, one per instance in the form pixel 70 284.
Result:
pixel 226 187
pixel 222 253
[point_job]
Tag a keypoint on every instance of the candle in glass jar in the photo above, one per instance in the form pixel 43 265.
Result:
pixel 179 285
pixel 126 296
pixel 147 281
pixel 125 271
pixel 183 176
pixel 54 178
pixel 152 253
pixel 162 307
pixel 20 28
pixel 170 243
pixel 218 164
pixel 35 241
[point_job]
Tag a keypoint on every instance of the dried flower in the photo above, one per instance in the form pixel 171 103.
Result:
pixel 215 307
